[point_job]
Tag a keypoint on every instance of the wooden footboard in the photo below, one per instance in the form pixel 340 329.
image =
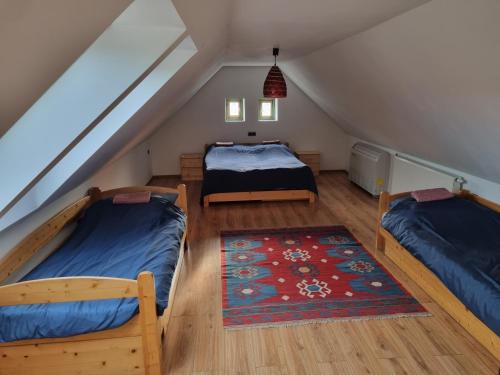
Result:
pixel 134 348
pixel 272 195
pixel 429 282
pixel 110 355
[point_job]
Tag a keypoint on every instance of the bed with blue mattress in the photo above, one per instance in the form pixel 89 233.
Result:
pixel 255 172
pixel 451 248
pixel 115 245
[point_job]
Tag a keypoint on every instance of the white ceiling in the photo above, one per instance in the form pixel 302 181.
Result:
pixel 44 38
pixel 299 27
pixel 39 40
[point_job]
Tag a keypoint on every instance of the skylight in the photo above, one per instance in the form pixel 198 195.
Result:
pixel 65 168
pixel 75 105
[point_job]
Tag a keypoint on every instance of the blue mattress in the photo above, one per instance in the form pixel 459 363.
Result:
pixel 459 241
pixel 109 240
pixel 244 158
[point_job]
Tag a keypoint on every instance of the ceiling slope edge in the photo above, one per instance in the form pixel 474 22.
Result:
pixel 425 89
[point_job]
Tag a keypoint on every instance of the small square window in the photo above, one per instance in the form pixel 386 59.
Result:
pixel 268 109
pixel 235 109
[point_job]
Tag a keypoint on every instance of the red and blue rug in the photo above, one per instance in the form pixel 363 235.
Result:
pixel 273 277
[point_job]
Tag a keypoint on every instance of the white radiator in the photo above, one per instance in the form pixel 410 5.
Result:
pixel 409 174
pixel 369 168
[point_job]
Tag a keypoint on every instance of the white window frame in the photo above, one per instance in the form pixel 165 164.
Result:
pixel 241 117
pixel 274 110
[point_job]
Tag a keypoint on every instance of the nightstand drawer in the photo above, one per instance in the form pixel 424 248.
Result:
pixel 310 159
pixel 192 162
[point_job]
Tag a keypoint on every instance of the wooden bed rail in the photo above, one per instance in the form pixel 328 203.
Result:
pixel 67 289
pixel 40 237
pixel 80 288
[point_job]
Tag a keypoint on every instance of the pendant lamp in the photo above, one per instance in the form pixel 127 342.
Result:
pixel 275 85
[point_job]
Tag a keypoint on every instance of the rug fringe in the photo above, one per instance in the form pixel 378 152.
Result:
pixel 327 320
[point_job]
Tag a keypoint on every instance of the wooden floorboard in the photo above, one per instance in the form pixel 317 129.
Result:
pixel 196 342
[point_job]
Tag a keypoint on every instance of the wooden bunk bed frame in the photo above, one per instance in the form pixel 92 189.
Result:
pixel 134 348
pixel 428 281
pixel 265 195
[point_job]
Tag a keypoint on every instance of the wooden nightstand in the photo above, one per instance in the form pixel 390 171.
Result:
pixel 192 167
pixel 311 158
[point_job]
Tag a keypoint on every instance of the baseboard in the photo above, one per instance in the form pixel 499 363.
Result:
pixel 333 171
pixel 164 176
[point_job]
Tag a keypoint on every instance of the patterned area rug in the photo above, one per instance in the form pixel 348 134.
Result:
pixel 274 277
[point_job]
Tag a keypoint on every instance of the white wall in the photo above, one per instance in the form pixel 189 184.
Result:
pixel 408 176
pixel 301 122
pixel 134 168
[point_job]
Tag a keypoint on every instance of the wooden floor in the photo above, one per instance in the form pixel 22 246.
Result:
pixel 196 342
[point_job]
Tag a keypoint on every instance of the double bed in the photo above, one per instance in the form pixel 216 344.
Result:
pixel 243 172
pixel 451 248
pixel 99 303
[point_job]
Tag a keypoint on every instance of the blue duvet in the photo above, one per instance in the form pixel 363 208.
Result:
pixel 109 240
pixel 241 158
pixel 459 241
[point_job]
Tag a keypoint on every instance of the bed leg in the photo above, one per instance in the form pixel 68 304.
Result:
pixel 380 242
pixel 151 344
pixel 312 198
pixel 383 206
pixel 206 201
pixel 182 198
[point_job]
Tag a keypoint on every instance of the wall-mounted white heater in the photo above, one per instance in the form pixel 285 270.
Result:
pixel 410 174
pixel 369 168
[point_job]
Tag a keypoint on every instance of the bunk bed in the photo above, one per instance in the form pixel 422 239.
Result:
pixel 109 311
pixel 255 172
pixel 451 249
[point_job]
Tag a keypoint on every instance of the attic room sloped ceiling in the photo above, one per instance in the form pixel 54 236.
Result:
pixel 389 82
pixel 40 40
pixel 213 27
pixel 126 65
pixel 425 83
pixel 206 23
